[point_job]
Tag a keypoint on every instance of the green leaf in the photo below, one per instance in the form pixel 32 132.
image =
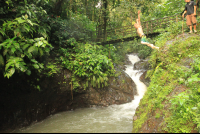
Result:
pixel 36 66
pixel 13 50
pixel 25 1
pixel 8 65
pixel 194 108
pixel 87 83
pixel 12 71
pixel 33 49
pixel 1 60
pixel 26 16
pixel 30 22
pixel 5 52
pixel 16 31
pixel 33 60
pixel 25 46
pixel 41 65
pixel 28 72
pixel 41 51
pixel 20 20
pixel 38 87
pixel 2 32
pixel 39 43
pixel 194 78
pixel 29 13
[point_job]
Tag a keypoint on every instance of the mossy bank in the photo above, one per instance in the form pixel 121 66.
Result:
pixel 172 101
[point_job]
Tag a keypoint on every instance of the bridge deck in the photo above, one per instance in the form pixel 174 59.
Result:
pixel 126 39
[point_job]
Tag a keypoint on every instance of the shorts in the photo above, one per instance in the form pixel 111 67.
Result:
pixel 191 19
pixel 143 39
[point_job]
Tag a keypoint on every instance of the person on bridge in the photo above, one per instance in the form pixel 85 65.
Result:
pixel 190 9
pixel 138 26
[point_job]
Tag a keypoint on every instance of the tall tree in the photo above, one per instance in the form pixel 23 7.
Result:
pixel 105 5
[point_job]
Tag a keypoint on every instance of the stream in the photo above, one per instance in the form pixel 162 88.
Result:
pixel 111 119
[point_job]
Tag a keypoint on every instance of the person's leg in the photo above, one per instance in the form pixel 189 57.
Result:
pixel 190 27
pixel 188 22
pixel 194 21
pixel 150 45
pixel 144 41
pixel 195 27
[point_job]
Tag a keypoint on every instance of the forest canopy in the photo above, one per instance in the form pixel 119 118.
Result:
pixel 32 30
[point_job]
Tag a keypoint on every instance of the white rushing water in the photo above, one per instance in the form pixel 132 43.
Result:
pixel 111 119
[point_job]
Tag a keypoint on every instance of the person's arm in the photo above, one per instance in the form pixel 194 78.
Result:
pixel 184 13
pixel 195 9
pixel 139 16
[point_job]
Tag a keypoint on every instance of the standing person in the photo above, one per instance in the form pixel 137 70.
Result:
pixel 138 26
pixel 190 9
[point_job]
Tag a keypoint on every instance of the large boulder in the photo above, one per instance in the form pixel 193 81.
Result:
pixel 142 65
pixel 145 80
pixel 120 90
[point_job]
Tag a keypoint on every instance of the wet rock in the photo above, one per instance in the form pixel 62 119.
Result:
pixel 142 65
pixel 120 90
pixel 145 80
pixel 134 117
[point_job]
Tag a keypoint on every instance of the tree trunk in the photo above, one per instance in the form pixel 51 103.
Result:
pixel 105 4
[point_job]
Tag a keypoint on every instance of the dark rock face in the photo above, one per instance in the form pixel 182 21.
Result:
pixel 120 90
pixel 146 81
pixel 144 66
pixel 21 104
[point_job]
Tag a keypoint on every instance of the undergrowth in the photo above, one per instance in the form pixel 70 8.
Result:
pixel 134 46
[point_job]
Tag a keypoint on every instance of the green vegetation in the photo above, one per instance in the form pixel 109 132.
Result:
pixel 174 83
pixel 88 63
pixel 32 33
pixel 18 46
pixel 46 36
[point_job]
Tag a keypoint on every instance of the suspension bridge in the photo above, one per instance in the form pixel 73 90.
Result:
pixel 127 33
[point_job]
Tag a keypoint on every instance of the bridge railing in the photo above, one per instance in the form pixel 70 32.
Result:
pixel 130 31
pixel 152 26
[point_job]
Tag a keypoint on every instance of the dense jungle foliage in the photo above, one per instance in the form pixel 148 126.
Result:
pixel 42 35
pixel 32 32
